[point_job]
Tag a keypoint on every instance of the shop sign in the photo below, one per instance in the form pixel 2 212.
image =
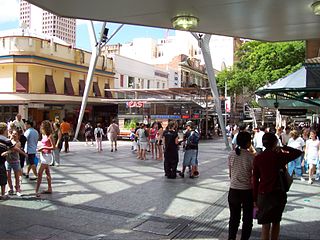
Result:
pixel 185 116
pixel 165 116
pixel 196 116
pixel 132 104
pixel 293 112
pixel 36 105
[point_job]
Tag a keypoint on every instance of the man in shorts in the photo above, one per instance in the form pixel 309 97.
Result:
pixel 191 150
pixel 32 136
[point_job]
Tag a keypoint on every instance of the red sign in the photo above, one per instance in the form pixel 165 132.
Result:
pixel 185 116
pixel 132 104
pixel 196 116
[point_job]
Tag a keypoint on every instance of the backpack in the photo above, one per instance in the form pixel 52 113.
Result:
pixel 99 133
pixel 193 138
pixel 146 133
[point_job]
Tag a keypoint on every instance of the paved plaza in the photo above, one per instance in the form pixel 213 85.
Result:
pixel 113 195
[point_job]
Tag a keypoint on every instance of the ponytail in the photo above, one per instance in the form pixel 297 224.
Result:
pixel 238 150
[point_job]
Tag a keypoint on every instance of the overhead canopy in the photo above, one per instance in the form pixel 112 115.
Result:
pixel 303 85
pixel 270 20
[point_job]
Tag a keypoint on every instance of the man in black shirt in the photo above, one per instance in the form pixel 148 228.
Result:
pixel 171 157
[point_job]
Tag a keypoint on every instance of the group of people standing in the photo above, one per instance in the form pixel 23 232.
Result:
pixel 164 143
pixel 255 170
pixel 98 134
pixel 19 145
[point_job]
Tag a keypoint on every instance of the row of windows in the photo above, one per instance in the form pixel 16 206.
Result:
pixel 139 85
pixel 22 86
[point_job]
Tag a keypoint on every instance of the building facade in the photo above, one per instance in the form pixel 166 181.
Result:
pixel 42 79
pixel 38 20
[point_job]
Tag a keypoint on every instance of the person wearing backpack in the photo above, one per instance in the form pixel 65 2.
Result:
pixel 142 135
pixel 191 139
pixel 98 134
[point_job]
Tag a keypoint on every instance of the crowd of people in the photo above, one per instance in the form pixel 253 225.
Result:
pixel 261 165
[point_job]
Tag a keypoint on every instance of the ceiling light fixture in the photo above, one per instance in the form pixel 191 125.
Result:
pixel 316 8
pixel 184 22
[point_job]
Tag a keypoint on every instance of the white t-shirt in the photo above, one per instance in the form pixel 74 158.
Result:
pixel 297 143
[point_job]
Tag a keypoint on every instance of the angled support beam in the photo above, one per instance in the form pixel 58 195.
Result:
pixel 203 42
pixel 96 49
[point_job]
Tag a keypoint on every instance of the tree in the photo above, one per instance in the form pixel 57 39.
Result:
pixel 261 63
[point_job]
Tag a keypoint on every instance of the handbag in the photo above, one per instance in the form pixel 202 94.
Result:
pixel 285 179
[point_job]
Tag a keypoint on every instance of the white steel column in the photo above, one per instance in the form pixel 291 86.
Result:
pixel 203 42
pixel 96 47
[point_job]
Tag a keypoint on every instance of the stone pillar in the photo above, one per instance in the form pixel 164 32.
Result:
pixel 23 110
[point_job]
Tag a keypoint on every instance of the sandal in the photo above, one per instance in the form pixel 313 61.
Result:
pixel 38 195
pixel 46 192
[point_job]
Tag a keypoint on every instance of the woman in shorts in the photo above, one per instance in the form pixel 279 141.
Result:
pixel 13 163
pixel 47 146
pixel 268 196
pixel 312 154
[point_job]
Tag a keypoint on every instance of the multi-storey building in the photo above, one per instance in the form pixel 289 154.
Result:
pixel 42 79
pixel 162 51
pixel 38 20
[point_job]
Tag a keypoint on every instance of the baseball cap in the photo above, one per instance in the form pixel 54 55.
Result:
pixel 189 123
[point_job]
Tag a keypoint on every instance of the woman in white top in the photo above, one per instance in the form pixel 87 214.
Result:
pixel 312 153
pixel 298 143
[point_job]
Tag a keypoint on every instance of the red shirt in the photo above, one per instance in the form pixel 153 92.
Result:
pixel 266 168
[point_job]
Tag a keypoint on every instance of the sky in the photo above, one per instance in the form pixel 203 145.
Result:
pixel 9 19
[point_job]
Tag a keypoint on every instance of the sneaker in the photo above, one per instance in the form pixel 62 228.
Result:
pixel 302 179
pixel 111 150
pixel 10 192
pixel 19 194
pixel 317 178
pixel 34 178
pixel 181 174
pixel 310 181
pixel 27 175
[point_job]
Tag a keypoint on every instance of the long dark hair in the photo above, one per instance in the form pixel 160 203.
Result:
pixel 243 141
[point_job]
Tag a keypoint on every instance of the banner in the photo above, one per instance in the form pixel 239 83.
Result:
pixel 132 104
pixel 227 104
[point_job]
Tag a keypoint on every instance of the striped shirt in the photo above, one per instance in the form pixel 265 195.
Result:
pixel 240 167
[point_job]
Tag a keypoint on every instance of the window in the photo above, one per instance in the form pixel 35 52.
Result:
pixel 107 94
pixel 131 82
pixel 22 82
pixel 148 84
pixel 49 84
pixel 163 85
pixel 158 85
pixel 82 85
pixel 121 80
pixel 96 89
pixel 68 89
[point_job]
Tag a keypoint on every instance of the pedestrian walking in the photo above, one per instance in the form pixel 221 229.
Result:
pixel 113 131
pixel 312 155
pixel 65 130
pixel 98 134
pixel 159 144
pixel 298 143
pixel 32 137
pixel 57 139
pixel 240 196
pixel 19 123
pixel 152 138
pixel 142 135
pixel 46 148
pixel 88 133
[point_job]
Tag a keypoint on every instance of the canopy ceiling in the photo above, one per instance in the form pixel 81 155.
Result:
pixel 269 20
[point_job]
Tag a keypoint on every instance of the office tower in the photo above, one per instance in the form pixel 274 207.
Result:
pixel 41 21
